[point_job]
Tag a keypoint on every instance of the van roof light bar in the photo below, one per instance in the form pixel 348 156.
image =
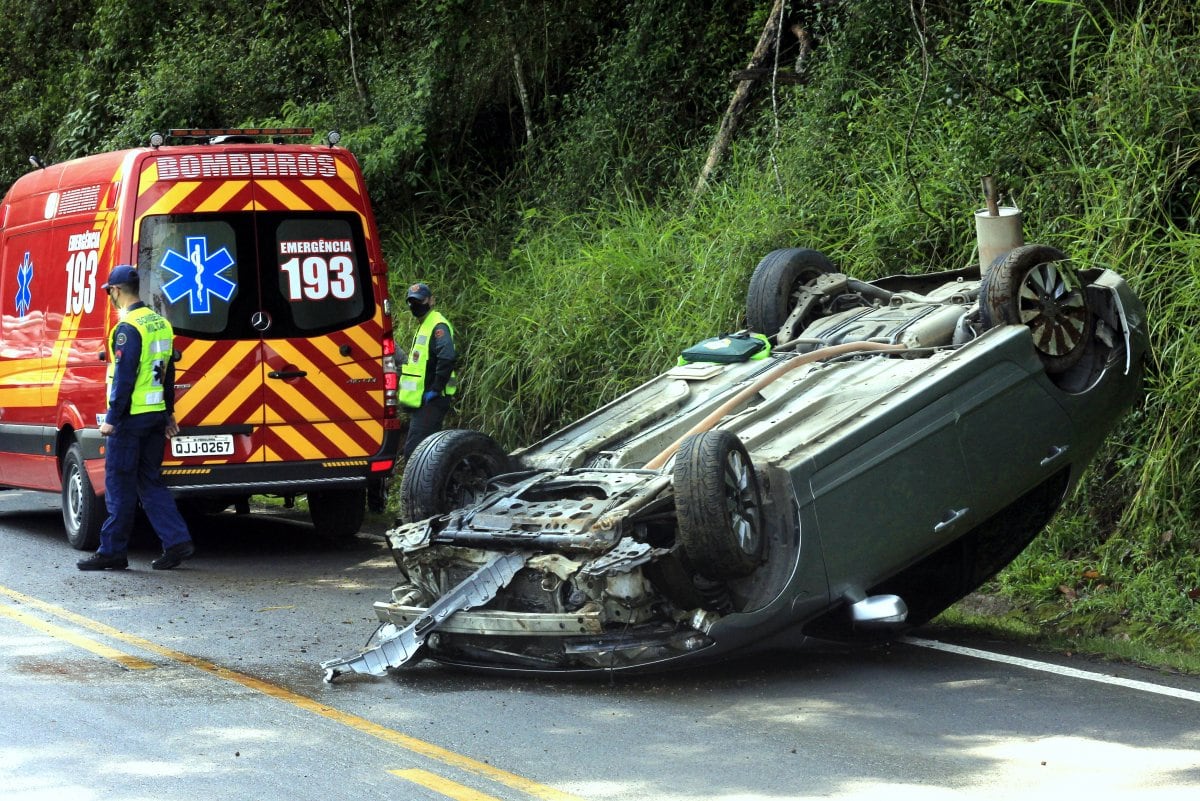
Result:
pixel 209 133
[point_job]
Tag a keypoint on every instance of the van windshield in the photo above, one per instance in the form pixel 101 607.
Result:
pixel 250 275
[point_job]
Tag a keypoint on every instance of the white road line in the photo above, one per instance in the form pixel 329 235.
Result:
pixel 1045 667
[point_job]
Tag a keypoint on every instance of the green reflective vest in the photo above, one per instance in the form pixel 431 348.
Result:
pixel 157 343
pixel 412 372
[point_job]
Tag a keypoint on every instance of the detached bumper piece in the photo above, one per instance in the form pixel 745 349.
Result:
pixel 398 646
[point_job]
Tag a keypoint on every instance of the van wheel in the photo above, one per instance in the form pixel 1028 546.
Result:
pixel 718 505
pixel 83 511
pixel 338 514
pixel 449 470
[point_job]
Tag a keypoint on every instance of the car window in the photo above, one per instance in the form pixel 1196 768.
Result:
pixel 246 275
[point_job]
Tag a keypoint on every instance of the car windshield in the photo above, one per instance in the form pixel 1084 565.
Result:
pixel 244 275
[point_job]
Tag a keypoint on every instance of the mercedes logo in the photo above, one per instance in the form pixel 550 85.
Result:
pixel 260 320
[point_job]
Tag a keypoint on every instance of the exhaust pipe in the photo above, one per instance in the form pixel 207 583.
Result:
pixel 997 228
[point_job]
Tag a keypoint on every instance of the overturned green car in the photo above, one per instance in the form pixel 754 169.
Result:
pixel 865 455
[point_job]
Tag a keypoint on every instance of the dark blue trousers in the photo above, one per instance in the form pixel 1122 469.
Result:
pixel 133 472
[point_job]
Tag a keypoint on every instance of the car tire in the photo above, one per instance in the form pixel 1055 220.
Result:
pixel 338 514
pixel 718 505
pixel 449 470
pixel 1035 286
pixel 774 283
pixel 83 510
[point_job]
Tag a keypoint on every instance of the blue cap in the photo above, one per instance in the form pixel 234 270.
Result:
pixel 121 274
pixel 420 292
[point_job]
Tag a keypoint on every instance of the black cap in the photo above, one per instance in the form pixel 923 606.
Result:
pixel 420 292
pixel 121 275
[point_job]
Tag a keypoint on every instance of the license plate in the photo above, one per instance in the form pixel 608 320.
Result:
pixel 202 445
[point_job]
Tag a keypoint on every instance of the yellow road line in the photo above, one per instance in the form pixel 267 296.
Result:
pixel 434 782
pixel 86 643
pixel 360 724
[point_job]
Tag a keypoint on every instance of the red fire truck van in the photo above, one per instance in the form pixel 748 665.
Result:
pixel 266 259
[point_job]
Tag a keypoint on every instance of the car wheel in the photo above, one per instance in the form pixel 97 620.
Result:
pixel 83 511
pixel 337 514
pixel 1035 286
pixel 776 283
pixel 718 505
pixel 449 470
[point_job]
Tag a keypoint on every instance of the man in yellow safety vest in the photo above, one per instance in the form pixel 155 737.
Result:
pixel 140 416
pixel 427 377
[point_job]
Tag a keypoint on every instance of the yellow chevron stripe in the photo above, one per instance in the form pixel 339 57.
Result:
pixel 218 199
pixel 149 176
pixel 171 198
pixel 348 177
pixel 336 200
pixel 61 352
pixel 356 370
pixel 249 387
pixel 370 428
pixel 302 446
pixel 364 340
pixel 334 433
pixel 280 192
pixel 210 382
pixel 336 393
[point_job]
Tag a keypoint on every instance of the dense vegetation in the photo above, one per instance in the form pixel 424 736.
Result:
pixel 535 161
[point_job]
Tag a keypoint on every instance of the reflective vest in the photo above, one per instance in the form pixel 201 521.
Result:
pixel 157 343
pixel 412 372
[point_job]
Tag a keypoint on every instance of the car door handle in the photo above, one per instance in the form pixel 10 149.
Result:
pixel 286 374
pixel 952 517
pixel 1056 451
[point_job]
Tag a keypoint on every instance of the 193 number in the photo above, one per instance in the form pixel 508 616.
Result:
pixel 316 278
pixel 81 281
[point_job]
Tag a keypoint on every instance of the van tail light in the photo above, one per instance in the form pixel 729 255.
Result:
pixel 391 379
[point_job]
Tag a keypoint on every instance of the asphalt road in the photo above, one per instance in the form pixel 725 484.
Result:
pixel 204 682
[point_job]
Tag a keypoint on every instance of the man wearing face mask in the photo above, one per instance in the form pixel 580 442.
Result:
pixel 427 377
pixel 140 416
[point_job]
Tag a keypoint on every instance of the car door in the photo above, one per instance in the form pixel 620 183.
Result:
pixel 896 491
pixel 1014 433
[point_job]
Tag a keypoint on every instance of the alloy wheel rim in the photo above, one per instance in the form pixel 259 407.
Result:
pixel 741 502
pixel 1052 305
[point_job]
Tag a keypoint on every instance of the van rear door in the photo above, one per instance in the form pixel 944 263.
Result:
pixel 267 280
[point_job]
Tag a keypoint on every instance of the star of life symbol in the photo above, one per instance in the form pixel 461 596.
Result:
pixel 24 279
pixel 198 275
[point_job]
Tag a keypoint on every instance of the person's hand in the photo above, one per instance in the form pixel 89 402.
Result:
pixel 172 426
pixel 429 395
pixel 106 429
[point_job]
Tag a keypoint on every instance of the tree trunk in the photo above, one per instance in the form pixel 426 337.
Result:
pixel 741 97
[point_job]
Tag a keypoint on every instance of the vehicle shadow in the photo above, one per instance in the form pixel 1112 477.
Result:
pixel 265 531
